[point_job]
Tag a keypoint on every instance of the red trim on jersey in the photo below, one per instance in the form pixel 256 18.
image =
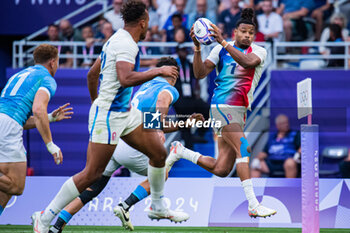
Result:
pixel 245 79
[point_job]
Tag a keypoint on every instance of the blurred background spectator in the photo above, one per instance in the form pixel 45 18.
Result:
pixel 191 6
pixel 259 36
pixel 53 33
pixel 107 31
pixel 98 28
pixel 224 4
pixel 67 32
pixel 337 18
pixel 89 49
pixel 293 13
pixel 114 15
pixel 335 35
pixel 201 11
pixel 165 8
pixel 228 18
pixel 324 9
pixel 270 23
pixel 168 35
pixel 247 4
pixel 180 10
pixel 146 50
pixel 153 23
pixel 281 154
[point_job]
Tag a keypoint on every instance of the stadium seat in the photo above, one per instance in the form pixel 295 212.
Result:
pixel 330 159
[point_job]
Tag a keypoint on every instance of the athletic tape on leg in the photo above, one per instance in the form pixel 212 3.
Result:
pixel 244 152
pixel 96 189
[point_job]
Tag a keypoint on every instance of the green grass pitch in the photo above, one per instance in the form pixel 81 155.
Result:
pixel 95 229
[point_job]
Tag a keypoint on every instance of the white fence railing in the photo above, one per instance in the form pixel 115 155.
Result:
pixel 280 52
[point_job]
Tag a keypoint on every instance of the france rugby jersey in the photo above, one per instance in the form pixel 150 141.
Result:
pixel 17 97
pixel 120 47
pixel 235 85
pixel 146 97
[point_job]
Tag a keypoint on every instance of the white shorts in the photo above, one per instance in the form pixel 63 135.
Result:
pixel 227 114
pixel 106 127
pixel 11 141
pixel 125 155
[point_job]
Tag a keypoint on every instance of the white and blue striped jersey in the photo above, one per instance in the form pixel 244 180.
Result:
pixel 17 97
pixel 145 99
pixel 112 96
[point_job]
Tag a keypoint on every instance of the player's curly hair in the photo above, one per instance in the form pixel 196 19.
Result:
pixel 132 11
pixel 167 61
pixel 44 52
pixel 247 17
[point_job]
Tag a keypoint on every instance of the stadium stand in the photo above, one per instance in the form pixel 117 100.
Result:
pixel 282 55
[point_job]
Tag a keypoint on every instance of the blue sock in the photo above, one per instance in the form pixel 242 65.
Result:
pixel 1 210
pixel 136 196
pixel 65 216
pixel 140 192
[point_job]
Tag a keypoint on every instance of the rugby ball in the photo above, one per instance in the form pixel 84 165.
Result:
pixel 201 31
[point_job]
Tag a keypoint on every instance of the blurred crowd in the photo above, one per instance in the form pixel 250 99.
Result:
pixel 171 21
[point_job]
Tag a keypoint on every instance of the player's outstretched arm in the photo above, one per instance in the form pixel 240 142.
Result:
pixel 59 114
pixel 200 69
pixel 92 79
pixel 249 60
pixel 42 123
pixel 128 78
pixel 62 113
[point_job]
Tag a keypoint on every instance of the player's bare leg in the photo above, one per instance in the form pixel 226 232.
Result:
pixel 232 145
pixel 142 191
pixel 12 177
pixel 149 143
pixel 12 181
pixel 78 203
pixel 98 155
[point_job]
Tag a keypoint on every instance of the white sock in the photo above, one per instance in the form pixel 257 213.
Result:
pixel 67 193
pixel 156 177
pixel 249 193
pixel 190 155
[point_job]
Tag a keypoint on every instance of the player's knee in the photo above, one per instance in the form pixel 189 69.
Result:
pixel 289 164
pixel 92 175
pixel 16 189
pixel 222 172
pixel 159 158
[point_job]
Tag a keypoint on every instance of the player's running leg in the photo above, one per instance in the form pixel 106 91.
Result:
pixel 232 145
pixel 142 191
pixel 234 137
pixel 148 142
pixel 98 156
pixel 12 180
pixel 78 203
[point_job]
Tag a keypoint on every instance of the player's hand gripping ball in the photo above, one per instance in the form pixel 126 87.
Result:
pixel 201 31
